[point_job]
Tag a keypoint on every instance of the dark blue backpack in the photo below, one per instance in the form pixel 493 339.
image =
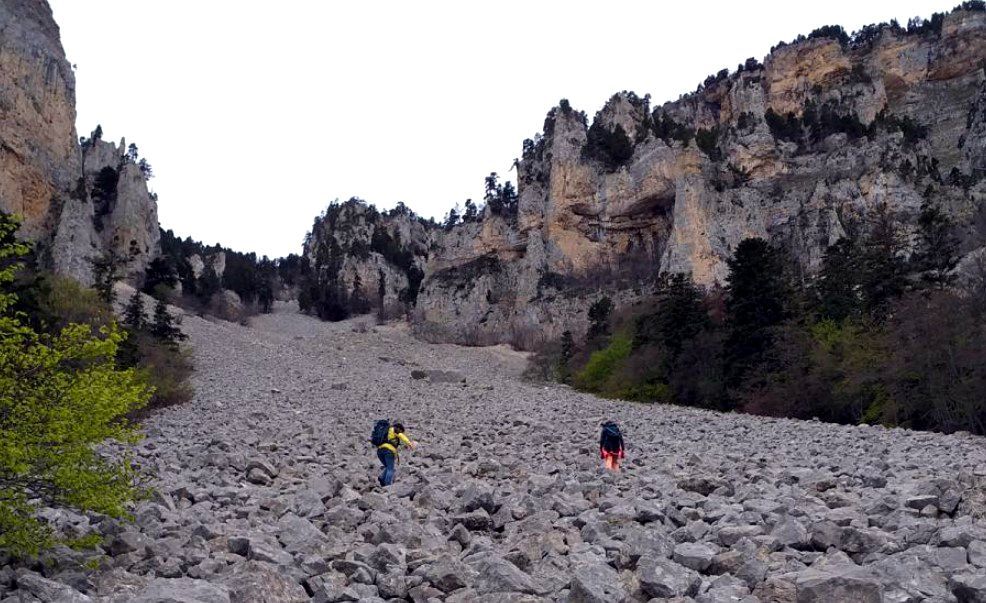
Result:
pixel 380 430
pixel 611 439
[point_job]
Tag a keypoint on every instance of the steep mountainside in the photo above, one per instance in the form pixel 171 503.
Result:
pixel 76 201
pixel 361 259
pixel 798 149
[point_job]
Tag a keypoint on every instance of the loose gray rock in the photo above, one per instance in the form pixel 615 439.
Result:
pixel 449 574
pixel 977 553
pixel 695 556
pixel 969 588
pixel 489 509
pixel 660 577
pixel 254 582
pixel 790 532
pixel 845 583
pixel 596 583
pixel 47 591
pixel 497 575
pixel 182 590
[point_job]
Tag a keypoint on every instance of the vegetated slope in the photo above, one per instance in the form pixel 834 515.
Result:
pixel 266 488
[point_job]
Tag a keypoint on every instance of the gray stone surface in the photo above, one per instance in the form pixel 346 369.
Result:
pixel 180 590
pixel 715 507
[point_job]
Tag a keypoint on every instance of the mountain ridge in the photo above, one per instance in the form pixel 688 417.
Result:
pixel 798 149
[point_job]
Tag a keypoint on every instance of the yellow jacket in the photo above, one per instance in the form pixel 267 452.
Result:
pixel 394 440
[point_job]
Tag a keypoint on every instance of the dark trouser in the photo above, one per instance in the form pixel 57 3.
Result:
pixel 387 459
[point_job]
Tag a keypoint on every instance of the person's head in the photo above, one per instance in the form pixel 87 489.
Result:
pixel 398 428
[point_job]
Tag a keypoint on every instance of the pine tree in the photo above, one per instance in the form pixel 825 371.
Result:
pixel 452 218
pixel 471 213
pixel 358 304
pixel 599 313
pixel 836 289
pixel 679 317
pixel 937 247
pixel 757 298
pixel 208 285
pixel 105 274
pixel 565 357
pixel 164 328
pixel 381 295
pixel 265 297
pixel 161 274
pixel 133 314
pixel 145 169
pixel 493 193
pixel 883 268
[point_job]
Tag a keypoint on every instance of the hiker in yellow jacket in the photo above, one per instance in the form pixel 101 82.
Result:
pixel 388 455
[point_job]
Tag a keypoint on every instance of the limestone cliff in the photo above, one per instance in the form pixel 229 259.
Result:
pixel 359 259
pixel 75 201
pixel 39 154
pixel 796 150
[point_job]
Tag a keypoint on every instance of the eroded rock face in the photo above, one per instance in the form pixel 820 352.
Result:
pixel 124 212
pixel 674 207
pixel 39 154
pixel 893 118
pixel 45 176
pixel 363 259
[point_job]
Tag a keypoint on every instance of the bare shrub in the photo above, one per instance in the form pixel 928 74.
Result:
pixel 527 338
pixel 168 369
pixel 67 302
pixel 544 365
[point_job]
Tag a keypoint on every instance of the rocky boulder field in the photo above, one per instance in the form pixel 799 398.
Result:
pixel 265 490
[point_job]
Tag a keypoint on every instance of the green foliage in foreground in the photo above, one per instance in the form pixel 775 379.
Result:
pixel 61 396
pixel 597 375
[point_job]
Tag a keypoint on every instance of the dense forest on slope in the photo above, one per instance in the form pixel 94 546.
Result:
pixel 197 275
pixel 875 336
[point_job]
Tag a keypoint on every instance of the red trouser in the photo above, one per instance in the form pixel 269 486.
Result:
pixel 612 459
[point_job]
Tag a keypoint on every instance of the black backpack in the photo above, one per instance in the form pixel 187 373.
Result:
pixel 611 438
pixel 380 430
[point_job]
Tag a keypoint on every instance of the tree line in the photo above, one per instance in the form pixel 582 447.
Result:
pixel 255 280
pixel 882 333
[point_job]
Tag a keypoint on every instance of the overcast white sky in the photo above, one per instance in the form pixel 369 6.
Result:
pixel 255 115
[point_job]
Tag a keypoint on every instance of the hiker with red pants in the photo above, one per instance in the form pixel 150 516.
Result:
pixel 611 445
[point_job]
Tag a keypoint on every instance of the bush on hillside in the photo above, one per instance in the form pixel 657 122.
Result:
pixel 599 319
pixel 61 395
pixel 783 127
pixel 63 301
pixel 707 141
pixel 168 369
pixel 597 375
pixel 612 147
